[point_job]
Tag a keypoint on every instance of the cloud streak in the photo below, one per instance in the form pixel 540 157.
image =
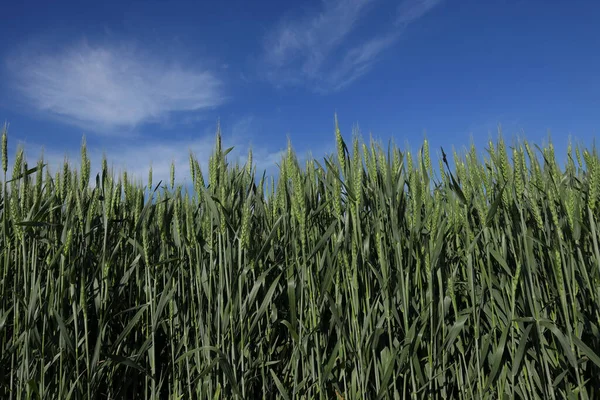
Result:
pixel 359 60
pixel 315 49
pixel 136 157
pixel 411 10
pixel 310 40
pixel 108 87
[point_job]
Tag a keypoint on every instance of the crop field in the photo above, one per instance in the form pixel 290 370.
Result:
pixel 373 273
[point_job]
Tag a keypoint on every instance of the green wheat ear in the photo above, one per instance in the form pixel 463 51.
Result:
pixel 427 158
pixel 339 141
pixel 150 178
pixel 172 175
pixel 5 148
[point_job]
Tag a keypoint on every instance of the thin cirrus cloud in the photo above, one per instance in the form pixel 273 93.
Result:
pixel 110 87
pixel 158 154
pixel 136 157
pixel 312 39
pixel 305 50
pixel 409 11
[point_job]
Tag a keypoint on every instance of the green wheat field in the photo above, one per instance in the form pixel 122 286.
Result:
pixel 373 273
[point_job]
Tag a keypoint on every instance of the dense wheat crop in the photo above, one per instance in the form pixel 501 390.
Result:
pixel 372 273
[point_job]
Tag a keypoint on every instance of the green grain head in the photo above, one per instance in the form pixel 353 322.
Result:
pixel 339 142
pixel 150 178
pixel 5 148
pixel 172 175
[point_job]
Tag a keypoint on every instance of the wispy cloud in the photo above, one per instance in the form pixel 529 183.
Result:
pixel 310 40
pixel 358 60
pixel 315 49
pixel 136 157
pixel 411 10
pixel 110 86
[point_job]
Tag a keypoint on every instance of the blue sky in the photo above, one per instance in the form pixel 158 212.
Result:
pixel 146 81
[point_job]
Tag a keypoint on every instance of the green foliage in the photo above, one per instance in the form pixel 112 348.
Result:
pixel 361 276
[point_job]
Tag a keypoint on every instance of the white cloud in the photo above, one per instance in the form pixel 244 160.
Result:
pixel 411 10
pixel 313 38
pixel 358 60
pixel 136 157
pixel 315 49
pixel 108 87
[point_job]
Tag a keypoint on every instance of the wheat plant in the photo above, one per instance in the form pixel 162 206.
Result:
pixel 369 274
